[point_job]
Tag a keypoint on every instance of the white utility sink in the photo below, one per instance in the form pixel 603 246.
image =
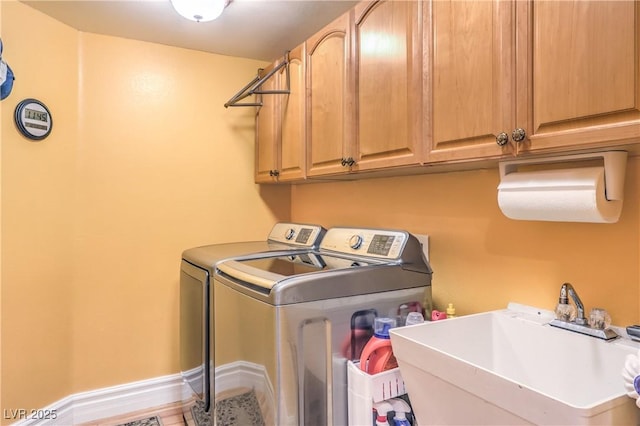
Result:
pixel 510 367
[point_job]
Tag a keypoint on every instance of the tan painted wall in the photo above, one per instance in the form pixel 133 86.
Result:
pixel 1 137
pixel 481 259
pixel 38 192
pixel 164 167
pixel 143 162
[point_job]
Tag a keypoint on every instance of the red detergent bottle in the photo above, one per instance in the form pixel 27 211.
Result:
pixel 377 355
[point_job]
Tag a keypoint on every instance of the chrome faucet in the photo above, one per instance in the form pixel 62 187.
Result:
pixel 580 324
pixel 567 289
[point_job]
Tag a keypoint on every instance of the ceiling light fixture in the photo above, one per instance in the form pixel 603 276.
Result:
pixel 199 10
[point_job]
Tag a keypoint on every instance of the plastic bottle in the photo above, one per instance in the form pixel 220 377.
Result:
pixel 401 409
pixel 414 318
pixel 438 315
pixel 451 311
pixel 382 408
pixel 377 355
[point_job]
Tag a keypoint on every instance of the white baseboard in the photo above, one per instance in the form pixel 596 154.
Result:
pixel 106 402
pixel 243 374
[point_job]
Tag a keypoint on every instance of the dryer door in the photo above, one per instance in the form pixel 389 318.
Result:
pixel 194 333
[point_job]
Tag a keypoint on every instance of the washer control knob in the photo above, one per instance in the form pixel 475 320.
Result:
pixel 355 241
pixel 289 233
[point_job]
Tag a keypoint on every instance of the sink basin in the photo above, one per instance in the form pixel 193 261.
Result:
pixel 510 367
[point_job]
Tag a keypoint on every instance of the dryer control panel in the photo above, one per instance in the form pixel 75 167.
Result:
pixel 376 243
pixel 297 234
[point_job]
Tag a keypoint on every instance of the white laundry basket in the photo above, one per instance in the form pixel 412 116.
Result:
pixel 365 389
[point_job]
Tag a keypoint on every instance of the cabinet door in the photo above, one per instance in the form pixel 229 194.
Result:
pixel 582 73
pixel 292 110
pixel 267 137
pixel 469 78
pixel 329 99
pixel 389 83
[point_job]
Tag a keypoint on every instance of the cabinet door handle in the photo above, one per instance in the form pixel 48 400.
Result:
pixel 519 135
pixel 502 139
pixel 349 161
pixel 274 173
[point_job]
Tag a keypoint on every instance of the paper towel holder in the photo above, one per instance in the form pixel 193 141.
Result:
pixel 614 168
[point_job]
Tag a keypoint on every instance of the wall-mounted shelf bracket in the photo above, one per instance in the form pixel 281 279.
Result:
pixel 253 87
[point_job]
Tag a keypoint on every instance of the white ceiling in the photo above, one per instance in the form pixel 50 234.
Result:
pixel 257 29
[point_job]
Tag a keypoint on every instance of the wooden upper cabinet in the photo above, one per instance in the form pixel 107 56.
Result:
pixel 267 132
pixel 565 72
pixel 293 118
pixel 280 122
pixel 401 83
pixel 388 58
pixel 329 98
pixel 580 69
pixel 469 78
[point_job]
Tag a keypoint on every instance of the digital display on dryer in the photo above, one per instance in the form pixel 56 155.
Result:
pixel 381 244
pixel 303 235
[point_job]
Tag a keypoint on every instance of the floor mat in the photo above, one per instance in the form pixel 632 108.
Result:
pixel 200 417
pixel 150 421
pixel 240 410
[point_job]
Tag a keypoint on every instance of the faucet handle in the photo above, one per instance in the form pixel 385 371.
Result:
pixel 599 319
pixel 565 312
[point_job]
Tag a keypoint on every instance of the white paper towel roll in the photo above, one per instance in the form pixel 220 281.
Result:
pixel 566 195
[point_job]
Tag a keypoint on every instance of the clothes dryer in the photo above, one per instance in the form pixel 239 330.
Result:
pixel 196 313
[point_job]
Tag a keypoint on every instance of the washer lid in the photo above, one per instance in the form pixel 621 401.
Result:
pixel 350 262
pixel 266 271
